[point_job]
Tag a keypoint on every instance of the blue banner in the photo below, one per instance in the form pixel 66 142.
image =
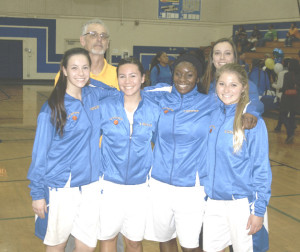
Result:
pixel 179 9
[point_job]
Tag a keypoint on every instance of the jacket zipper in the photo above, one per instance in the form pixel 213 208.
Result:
pixel 174 139
pixel 217 137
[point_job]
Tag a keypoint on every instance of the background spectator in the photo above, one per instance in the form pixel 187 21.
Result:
pixel 270 35
pixel 160 71
pixel 292 35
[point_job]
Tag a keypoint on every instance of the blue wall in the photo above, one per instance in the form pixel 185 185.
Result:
pixel 41 29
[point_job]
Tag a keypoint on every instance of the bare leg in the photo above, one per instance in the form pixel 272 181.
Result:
pixel 169 246
pixel 191 249
pixel 133 246
pixel 57 248
pixel 109 245
pixel 81 247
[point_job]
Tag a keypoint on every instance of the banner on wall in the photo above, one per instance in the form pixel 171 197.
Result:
pixel 179 9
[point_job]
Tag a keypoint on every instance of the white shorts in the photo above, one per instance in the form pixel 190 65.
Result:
pixel 175 211
pixel 123 209
pixel 73 211
pixel 225 223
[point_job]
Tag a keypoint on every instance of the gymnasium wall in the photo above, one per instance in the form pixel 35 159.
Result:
pixel 49 27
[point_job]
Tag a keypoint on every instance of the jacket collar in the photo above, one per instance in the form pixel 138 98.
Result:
pixel 85 91
pixel 228 109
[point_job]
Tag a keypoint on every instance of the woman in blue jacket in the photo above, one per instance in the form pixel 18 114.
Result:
pixel 128 121
pixel 239 180
pixel 177 194
pixel 64 173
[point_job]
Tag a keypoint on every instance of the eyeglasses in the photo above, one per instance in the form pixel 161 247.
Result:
pixel 95 35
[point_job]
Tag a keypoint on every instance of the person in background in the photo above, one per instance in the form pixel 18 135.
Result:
pixel 289 99
pixel 240 38
pixel 65 168
pixel 239 181
pixel 270 35
pixel 259 76
pixel 292 35
pixel 160 71
pixel 95 38
pixel 278 86
pixel 255 36
pixel 128 122
pixel 224 52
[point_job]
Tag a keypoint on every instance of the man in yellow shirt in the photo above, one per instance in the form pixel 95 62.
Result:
pixel 292 35
pixel 95 38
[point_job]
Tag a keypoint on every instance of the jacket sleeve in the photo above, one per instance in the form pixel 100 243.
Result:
pixel 38 167
pixel 261 169
pixel 255 107
pixel 155 93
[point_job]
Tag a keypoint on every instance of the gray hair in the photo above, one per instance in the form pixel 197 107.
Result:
pixel 93 21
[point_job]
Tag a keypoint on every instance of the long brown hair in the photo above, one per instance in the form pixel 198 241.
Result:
pixel 210 69
pixel 57 97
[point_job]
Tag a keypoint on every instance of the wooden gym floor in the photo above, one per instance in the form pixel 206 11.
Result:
pixel 18 115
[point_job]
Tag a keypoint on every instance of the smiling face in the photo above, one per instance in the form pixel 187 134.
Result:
pixel 229 88
pixel 222 54
pixel 95 44
pixel 77 72
pixel 185 77
pixel 130 79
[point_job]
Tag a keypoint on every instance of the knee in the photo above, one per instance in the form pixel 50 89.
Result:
pixel 135 245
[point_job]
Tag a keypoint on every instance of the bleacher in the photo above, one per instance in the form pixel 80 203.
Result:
pixel 282 29
pixel 289 52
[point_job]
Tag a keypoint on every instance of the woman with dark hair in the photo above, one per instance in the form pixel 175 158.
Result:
pixel 64 173
pixel 223 52
pixel 128 121
pixel 160 71
pixel 290 99
pixel 177 194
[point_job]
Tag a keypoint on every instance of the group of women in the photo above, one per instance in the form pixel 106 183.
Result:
pixel 202 155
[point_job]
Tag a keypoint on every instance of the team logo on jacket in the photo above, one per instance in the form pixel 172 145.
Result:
pixel 116 120
pixel 74 116
pixel 166 110
pixel 94 108
pixel 146 124
pixel 191 111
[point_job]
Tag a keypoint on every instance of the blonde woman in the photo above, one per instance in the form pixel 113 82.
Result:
pixel 239 181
